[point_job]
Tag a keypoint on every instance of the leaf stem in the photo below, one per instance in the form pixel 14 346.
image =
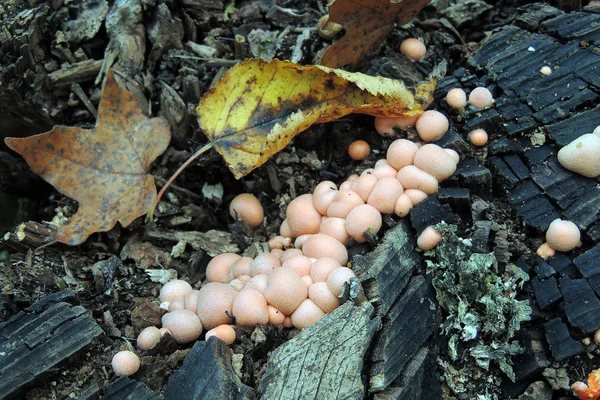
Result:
pixel 204 149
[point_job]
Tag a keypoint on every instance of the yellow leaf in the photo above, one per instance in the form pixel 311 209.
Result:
pixel 259 106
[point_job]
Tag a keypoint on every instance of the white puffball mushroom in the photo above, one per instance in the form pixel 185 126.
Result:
pixel 546 70
pixel 596 130
pixel 582 155
pixel 148 338
pixel 413 48
pixel 125 363
pixel 563 235
pixel 456 98
pixel 432 125
pixel 429 238
pixel 185 326
pixel 481 97
pixel 175 289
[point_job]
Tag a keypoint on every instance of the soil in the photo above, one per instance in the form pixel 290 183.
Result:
pixel 107 273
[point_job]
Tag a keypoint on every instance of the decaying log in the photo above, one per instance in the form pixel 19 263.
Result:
pixel 30 235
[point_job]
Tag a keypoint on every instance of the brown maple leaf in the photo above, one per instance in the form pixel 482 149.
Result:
pixel 105 169
pixel 367 24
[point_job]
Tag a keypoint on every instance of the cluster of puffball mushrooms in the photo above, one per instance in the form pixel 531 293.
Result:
pixel 296 286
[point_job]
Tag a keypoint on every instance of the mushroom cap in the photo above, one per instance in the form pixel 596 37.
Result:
pixel 404 205
pixel 415 195
pixel 302 216
pixel 299 264
pixel 243 266
pixel 481 97
pixel 336 228
pixel 434 160
pixel 401 153
pixel 432 125
pixel 364 185
pixel 383 169
pixel 320 245
pixel 302 238
pixel 412 177
pixel 177 304
pixel 148 338
pixel 545 251
pixel 344 201
pixel 413 48
pixel 191 300
pixel 246 207
pixel 125 363
pixel 258 282
pixel 250 308
pixel 214 300
pixel 429 238
pixel 276 317
pixel 322 267
pixel 384 196
pixel 582 155
pixel 306 314
pixel 264 263
pixel 384 125
pixel 289 253
pixel 456 98
pixel 478 137
pixel 320 294
pixel 563 235
pixel 285 290
pixel 219 268
pixel 175 289
pixel 361 219
pixel 224 332
pixel 185 326
pixel 337 278
pixel 359 150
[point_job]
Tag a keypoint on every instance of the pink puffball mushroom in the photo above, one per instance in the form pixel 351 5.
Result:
pixel 246 207
pixel 285 230
pixel 403 205
pixel 383 169
pixel 343 202
pixel 432 125
pixel 244 278
pixel 563 235
pixel 302 238
pixel 299 264
pixel 289 253
pixel 362 219
pixel 302 216
pixel 456 98
pixel 478 137
pixel 429 238
pixel 191 300
pixel 277 253
pixel 285 290
pixel 236 284
pixel 279 242
pixel 243 266
pixel 185 326
pixel 582 155
pixel 276 317
pixel 175 289
pixel 165 331
pixel 412 177
pixel 308 281
pixel 320 294
pixel 287 323
pixel 481 97
pixel 453 154
pixel 364 185
pixel 322 268
pixel 401 153
pixel 258 282
pixel 323 196
pixel 413 49
pixel 306 314
pixel 224 332
pixel 250 308
pixel 337 278
pixel 320 245
pixel 219 268
pixel 368 171
pixel 384 125
pixel 415 195
pixel 125 363
pixel 264 263
pixel 346 185
pixel 336 228
pixel 148 338
pixel 434 160
pixel 384 196
pixel 545 251
pixel 215 301
pixel 359 150
pixel 177 304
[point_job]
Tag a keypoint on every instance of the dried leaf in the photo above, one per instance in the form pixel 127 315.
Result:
pixel 259 106
pixel 105 169
pixel 367 24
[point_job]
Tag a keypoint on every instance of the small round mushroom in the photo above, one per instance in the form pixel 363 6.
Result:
pixel 582 155
pixel 383 169
pixel 214 302
pixel 401 153
pixel 384 196
pixel 308 281
pixel 344 201
pixel 285 290
pixel 177 304
pixel 563 235
pixel 456 98
pixel 415 195
pixel 320 294
pixel 148 338
pixel 359 150
pixel 412 177
pixel 478 137
pixel 429 238
pixel 224 332
pixel 258 282
pixel 302 216
pixel 432 125
pixel 326 29
pixel 247 208
pixel 322 267
pixel 364 186
pixel 413 49
pixel 546 70
pixel 191 300
pixel 299 264
pixel 302 238
pixel 403 205
pixel 285 230
pixel 243 266
pixel 175 289
pixel 320 245
pixel 545 251
pixel 385 125
pixel 276 317
pixel 362 219
pixel 306 314
pixel 125 363
pixel 264 263
pixel 337 278
pixel 219 268
pixel 481 97
pixel 279 242
pixel 250 308
pixel 336 228
pixel 185 326
pixel 432 159
pixel 289 253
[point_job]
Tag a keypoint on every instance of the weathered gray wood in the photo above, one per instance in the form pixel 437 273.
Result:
pixel 325 361
pixel 125 388
pixel 207 374
pixel 34 345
